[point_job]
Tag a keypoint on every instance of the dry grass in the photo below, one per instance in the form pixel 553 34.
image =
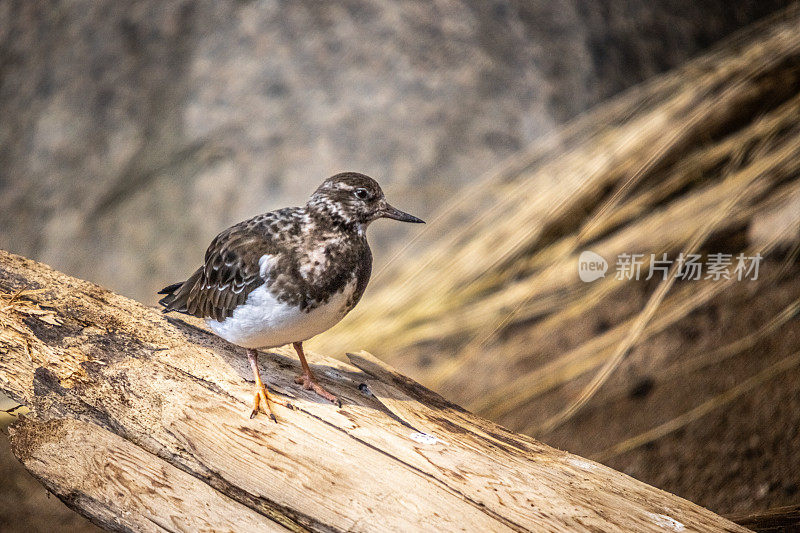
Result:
pixel 706 153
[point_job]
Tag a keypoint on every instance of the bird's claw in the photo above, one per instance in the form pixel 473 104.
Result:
pixel 309 383
pixel 261 395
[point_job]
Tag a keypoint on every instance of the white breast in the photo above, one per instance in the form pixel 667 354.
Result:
pixel 264 322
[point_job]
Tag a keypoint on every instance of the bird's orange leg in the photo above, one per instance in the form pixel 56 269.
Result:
pixel 307 378
pixel 261 393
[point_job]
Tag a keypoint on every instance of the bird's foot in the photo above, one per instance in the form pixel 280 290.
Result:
pixel 261 395
pixel 310 383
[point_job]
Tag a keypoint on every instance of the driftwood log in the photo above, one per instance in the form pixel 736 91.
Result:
pixel 139 422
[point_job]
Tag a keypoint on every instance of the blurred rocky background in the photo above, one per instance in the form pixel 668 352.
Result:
pixel 131 133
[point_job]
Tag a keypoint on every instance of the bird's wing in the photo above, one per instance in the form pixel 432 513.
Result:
pixel 232 269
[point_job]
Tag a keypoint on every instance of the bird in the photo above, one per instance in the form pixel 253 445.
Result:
pixel 285 276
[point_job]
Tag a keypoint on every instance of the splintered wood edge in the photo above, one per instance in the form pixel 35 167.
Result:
pixel 380 370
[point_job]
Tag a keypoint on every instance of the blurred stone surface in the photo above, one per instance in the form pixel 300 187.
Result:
pixel 132 132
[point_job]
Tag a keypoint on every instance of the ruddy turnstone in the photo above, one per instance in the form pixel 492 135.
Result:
pixel 287 275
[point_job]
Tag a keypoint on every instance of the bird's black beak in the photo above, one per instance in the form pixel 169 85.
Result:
pixel 396 214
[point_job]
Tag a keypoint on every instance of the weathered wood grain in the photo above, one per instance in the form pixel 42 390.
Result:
pixel 120 485
pixel 139 421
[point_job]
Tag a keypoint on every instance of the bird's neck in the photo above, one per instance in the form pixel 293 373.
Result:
pixel 327 216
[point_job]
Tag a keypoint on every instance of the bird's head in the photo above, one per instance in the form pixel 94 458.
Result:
pixel 355 200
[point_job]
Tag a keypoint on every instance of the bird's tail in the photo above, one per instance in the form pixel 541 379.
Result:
pixel 177 295
pixel 169 301
pixel 169 289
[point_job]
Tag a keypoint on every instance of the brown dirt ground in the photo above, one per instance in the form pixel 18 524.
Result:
pixel 740 457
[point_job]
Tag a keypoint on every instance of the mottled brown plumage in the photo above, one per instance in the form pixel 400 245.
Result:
pixel 294 239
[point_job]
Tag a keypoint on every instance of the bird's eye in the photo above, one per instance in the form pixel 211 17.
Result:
pixel 362 194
